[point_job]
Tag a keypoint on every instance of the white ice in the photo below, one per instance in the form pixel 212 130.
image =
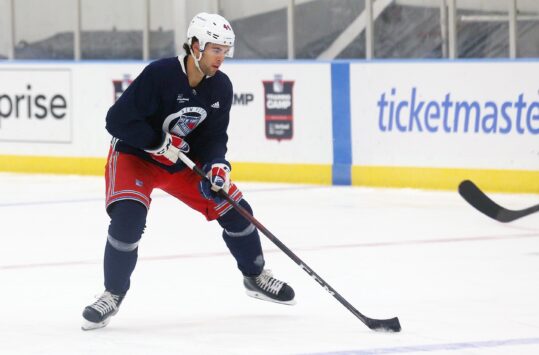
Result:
pixel 459 282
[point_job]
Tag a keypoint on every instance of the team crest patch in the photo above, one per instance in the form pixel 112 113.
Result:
pixel 183 122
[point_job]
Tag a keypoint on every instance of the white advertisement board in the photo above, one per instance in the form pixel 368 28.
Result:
pixel 281 112
pixel 446 114
pixel 36 105
pixel 59 110
pixel 97 87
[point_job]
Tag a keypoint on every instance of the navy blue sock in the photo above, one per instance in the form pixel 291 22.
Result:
pixel 242 239
pixel 127 222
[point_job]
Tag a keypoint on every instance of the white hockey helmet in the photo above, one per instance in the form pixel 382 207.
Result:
pixel 211 28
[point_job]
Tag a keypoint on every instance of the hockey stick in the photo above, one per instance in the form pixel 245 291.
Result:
pixel 477 198
pixel 390 325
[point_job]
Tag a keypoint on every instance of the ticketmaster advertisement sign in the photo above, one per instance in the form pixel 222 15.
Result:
pixel 431 124
pixel 480 115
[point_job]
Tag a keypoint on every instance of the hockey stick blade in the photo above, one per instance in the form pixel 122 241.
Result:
pixel 387 325
pixel 384 325
pixel 478 199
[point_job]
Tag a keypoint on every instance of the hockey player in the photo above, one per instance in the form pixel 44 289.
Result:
pixel 176 104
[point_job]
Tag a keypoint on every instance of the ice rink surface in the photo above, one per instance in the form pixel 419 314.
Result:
pixel 459 282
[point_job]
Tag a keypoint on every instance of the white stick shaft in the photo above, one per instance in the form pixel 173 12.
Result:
pixel 186 160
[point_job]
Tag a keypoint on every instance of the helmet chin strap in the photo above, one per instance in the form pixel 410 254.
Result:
pixel 197 60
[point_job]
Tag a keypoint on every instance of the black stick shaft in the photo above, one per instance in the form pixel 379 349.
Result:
pixel 392 324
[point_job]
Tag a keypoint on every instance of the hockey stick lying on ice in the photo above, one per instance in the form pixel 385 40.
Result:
pixel 390 325
pixel 477 198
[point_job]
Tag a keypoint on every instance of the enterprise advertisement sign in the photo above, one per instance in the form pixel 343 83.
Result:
pixel 35 105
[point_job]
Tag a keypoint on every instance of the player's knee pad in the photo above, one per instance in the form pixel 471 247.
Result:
pixel 127 223
pixel 234 224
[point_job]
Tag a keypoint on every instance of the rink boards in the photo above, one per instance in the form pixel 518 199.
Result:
pixel 423 124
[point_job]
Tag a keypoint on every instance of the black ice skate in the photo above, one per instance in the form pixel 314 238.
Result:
pixel 98 314
pixel 268 288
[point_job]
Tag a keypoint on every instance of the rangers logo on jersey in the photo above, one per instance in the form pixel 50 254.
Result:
pixel 183 122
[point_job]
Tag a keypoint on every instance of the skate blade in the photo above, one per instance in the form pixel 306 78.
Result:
pixel 87 325
pixel 263 297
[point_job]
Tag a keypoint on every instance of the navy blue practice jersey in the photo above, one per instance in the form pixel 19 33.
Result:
pixel 160 99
